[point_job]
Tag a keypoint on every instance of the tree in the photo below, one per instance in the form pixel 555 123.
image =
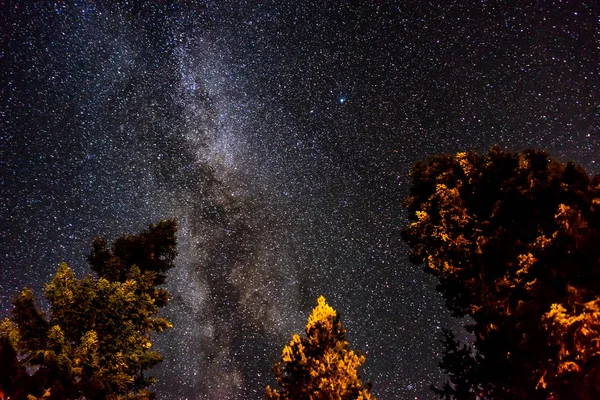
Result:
pixel 513 239
pixel 13 376
pixel 321 365
pixel 153 251
pixel 96 342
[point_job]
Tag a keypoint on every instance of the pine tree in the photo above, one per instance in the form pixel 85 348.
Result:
pixel 321 365
pixel 513 239
pixel 95 342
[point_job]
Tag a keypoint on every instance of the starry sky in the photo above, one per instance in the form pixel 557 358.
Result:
pixel 280 135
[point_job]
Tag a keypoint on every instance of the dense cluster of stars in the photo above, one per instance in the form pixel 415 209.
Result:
pixel 301 121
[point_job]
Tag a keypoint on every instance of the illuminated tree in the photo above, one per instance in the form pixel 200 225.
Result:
pixel 321 365
pixel 13 376
pixel 96 341
pixel 513 239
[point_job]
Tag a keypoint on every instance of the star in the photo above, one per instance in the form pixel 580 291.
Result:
pixel 118 116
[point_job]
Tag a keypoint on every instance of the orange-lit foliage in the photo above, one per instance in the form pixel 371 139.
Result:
pixel 513 239
pixel 577 333
pixel 321 365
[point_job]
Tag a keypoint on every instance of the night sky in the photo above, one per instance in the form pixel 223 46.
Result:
pixel 280 135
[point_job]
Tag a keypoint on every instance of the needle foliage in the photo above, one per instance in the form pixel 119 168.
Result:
pixel 321 365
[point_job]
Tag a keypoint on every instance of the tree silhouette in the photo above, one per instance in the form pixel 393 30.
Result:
pixel 321 365
pixel 96 341
pixel 513 239
pixel 13 375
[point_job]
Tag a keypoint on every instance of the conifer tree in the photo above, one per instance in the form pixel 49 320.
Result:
pixel 95 342
pixel 513 239
pixel 321 365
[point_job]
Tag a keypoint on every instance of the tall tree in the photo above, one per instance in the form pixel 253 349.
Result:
pixel 513 239
pixel 321 365
pixel 95 342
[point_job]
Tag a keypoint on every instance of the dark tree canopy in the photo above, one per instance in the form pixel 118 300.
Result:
pixel 514 240
pixel 95 342
pixel 13 375
pixel 152 250
pixel 321 365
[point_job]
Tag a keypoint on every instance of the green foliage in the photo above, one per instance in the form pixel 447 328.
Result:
pixel 513 239
pixel 96 341
pixel 321 365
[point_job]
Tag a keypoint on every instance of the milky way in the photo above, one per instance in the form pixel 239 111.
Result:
pixel 280 135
